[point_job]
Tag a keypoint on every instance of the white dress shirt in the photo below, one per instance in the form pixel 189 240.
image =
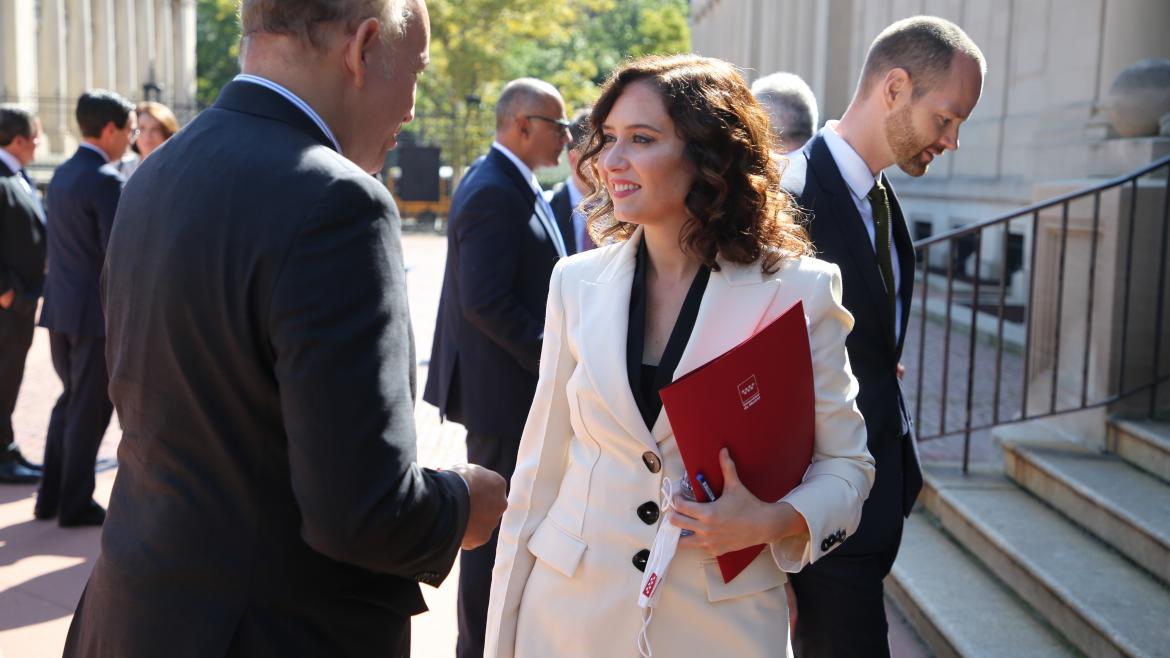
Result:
pixel 546 217
pixel 292 98
pixel 860 181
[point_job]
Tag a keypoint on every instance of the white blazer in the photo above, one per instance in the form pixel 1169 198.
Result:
pixel 564 582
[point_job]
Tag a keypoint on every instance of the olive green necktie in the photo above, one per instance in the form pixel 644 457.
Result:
pixel 879 201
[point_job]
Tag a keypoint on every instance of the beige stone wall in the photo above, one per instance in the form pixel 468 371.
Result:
pixel 53 50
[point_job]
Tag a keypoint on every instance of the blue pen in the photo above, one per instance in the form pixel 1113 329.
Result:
pixel 706 487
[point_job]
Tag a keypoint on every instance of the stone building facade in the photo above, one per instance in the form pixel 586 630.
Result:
pixel 1042 115
pixel 53 50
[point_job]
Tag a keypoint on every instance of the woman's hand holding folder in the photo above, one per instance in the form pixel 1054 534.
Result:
pixel 737 519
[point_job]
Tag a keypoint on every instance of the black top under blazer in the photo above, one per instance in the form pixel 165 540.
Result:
pixel 839 235
pixel 83 197
pixel 261 359
pixel 22 244
pixel 491 312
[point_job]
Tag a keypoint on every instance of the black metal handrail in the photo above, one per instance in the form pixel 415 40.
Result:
pixel 982 400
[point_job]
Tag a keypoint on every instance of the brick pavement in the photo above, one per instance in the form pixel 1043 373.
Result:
pixel 43 568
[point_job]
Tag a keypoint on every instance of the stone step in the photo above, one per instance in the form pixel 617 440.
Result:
pixel 1145 444
pixel 1123 506
pixel 953 602
pixel 1098 600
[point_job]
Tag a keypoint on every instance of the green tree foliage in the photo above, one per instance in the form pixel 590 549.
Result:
pixel 217 47
pixel 478 45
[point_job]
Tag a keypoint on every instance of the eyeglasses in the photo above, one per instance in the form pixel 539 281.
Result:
pixel 135 133
pixel 560 123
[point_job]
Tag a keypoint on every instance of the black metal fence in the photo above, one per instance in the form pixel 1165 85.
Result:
pixel 1081 325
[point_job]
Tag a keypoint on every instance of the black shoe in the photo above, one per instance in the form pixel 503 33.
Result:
pixel 24 462
pixel 94 514
pixel 13 472
pixel 44 512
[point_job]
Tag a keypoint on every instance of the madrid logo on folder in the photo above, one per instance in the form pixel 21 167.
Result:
pixel 723 404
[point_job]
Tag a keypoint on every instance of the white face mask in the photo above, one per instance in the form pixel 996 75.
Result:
pixel 661 554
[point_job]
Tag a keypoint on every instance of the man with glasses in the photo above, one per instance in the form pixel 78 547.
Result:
pixel 83 197
pixel 502 243
pixel 22 275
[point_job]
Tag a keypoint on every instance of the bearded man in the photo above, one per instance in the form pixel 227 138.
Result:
pixel 922 78
pixel 261 358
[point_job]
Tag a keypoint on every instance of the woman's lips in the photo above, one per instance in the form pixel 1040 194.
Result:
pixel 620 189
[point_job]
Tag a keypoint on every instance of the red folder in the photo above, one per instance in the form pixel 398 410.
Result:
pixel 756 400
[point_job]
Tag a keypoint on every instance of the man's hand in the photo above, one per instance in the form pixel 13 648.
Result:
pixel 7 298
pixel 737 520
pixel 901 372
pixel 489 499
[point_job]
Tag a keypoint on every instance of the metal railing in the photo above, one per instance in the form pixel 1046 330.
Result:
pixel 1014 346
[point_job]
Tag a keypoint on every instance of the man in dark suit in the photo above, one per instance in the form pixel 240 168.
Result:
pixel 568 195
pixel 502 243
pixel 22 275
pixel 268 502
pixel 921 79
pixel 83 197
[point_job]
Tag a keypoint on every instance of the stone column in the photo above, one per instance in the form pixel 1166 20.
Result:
pixel 105 45
pixel 126 47
pixel 79 26
pixel 1132 30
pixel 184 83
pixel 18 52
pixel 54 91
pixel 164 49
pixel 145 30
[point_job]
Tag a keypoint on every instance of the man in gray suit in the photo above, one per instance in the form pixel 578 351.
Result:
pixel 268 502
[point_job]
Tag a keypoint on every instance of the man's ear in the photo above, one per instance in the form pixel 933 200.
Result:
pixel 109 129
pixel 896 86
pixel 360 48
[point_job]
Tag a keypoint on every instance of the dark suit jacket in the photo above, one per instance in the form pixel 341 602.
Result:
pixel 562 207
pixel 261 361
pixel 491 313
pixel 840 237
pixel 22 244
pixel 83 197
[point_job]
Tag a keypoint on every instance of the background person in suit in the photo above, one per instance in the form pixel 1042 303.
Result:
pixel 83 197
pixel 695 271
pixel 921 80
pixel 156 124
pixel 502 243
pixel 791 106
pixel 267 497
pixel 22 275
pixel 568 195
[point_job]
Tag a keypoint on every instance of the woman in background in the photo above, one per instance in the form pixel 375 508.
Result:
pixel 707 252
pixel 156 124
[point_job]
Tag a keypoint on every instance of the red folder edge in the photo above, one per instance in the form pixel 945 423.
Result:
pixel 757 400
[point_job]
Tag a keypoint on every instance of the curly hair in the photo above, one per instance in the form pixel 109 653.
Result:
pixel 735 206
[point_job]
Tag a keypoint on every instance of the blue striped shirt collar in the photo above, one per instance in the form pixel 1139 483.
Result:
pixel 294 99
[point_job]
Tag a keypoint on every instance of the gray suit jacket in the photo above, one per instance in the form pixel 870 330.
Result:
pixel 261 361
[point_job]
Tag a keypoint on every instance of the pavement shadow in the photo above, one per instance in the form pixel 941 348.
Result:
pixel 54 593
pixel 10 493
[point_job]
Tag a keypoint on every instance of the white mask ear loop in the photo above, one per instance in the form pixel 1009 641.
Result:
pixel 665 545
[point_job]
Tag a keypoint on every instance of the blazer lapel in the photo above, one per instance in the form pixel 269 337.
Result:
pixel 733 308
pixel 605 319
pixel 907 259
pixel 851 228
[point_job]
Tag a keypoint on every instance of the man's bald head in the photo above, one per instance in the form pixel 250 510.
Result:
pixel 523 96
pixel 303 19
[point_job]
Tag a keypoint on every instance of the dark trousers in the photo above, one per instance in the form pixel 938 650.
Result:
pixel 76 427
pixel 475 567
pixel 16 334
pixel 840 609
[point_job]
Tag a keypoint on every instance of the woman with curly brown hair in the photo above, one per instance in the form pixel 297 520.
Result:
pixel 705 252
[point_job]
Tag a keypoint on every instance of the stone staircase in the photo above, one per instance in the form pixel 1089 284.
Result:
pixel 1064 553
